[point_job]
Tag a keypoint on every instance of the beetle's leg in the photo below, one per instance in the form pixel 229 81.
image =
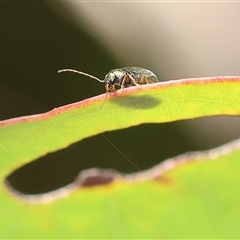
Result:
pixel 143 80
pixel 124 81
pixel 109 88
pixel 133 81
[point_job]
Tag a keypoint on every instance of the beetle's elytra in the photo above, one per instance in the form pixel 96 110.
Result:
pixel 122 77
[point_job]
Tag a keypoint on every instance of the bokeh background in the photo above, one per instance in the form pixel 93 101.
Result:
pixel 174 40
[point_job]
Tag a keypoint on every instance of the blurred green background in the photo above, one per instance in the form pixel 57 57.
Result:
pixel 174 40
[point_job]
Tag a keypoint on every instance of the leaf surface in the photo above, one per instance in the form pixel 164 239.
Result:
pixel 194 199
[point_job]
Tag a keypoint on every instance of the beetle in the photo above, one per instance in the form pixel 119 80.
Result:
pixel 122 77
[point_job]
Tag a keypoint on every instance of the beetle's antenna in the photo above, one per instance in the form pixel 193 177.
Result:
pixel 81 73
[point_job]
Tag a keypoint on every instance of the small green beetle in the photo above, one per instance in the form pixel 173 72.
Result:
pixel 122 77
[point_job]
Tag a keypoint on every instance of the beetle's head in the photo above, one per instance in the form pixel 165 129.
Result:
pixel 115 76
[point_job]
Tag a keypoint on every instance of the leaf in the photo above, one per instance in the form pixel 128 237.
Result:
pixel 196 199
pixel 26 138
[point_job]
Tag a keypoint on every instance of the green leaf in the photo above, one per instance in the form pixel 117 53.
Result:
pixel 195 199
